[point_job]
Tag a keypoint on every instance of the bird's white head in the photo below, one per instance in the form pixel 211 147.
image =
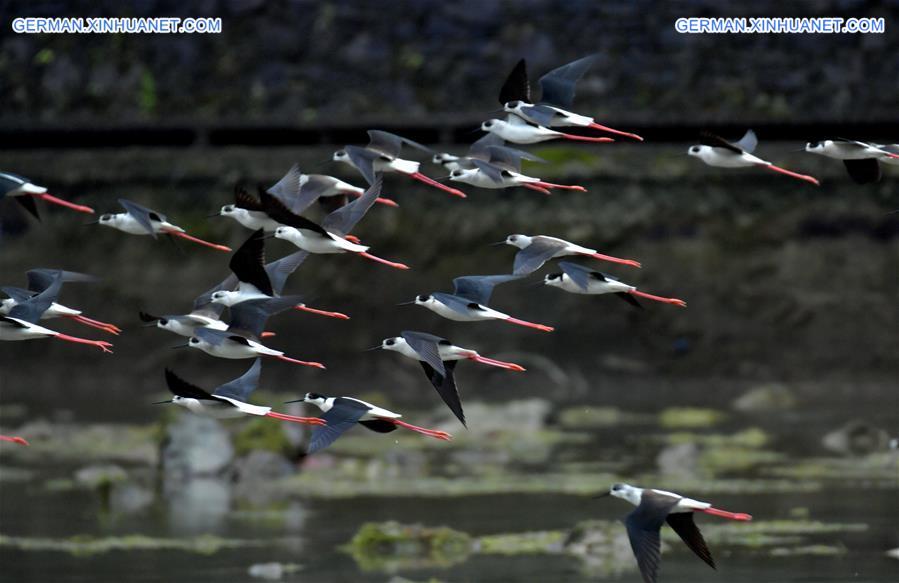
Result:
pixel 517 240
pixel 554 279
pixel 627 492
pixel 226 298
pixel 195 342
pixel 697 150
pixel 164 323
pixel 513 106
pixel 443 158
pixel 108 220
pixel 340 156
pixel 227 210
pixel 288 234
pixel 424 300
pixel 818 147
pixel 492 125
pixel 395 343
pixel 315 399
pixel 462 175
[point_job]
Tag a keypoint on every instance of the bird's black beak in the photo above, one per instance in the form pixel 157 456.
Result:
pixel 295 401
pixel 161 402
pixel 97 222
pixel 272 236
pixel 378 347
pixel 149 324
pixel 603 495
pixel 536 283
pixel 180 346
pixel 497 243
pixel 405 304
pixel 213 215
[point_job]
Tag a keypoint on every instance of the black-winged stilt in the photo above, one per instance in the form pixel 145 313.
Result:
pixel 24 192
pixel 716 151
pixel 862 160
pixel 578 279
pixel 535 250
pixel 139 220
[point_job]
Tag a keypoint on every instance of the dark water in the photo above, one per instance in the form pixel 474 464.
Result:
pixel 784 285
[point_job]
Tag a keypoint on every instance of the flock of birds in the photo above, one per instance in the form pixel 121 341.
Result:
pixel 253 291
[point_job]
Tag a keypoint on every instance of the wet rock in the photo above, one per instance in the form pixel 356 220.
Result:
pixel 199 505
pixel 253 473
pixel 387 546
pixel 272 571
pixel 603 546
pixel 129 498
pixel 768 397
pixel 857 437
pixel 522 416
pixel 195 446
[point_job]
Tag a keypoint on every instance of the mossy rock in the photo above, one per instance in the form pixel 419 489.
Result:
pixel 391 546
pixel 260 433
pixel 688 417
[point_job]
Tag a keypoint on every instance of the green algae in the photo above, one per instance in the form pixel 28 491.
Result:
pixel 521 543
pixel 690 417
pixel 598 417
pixel 260 433
pixel 84 545
pixel 391 546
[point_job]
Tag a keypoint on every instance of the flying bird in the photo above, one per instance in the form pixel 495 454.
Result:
pixel 438 357
pixel 538 249
pixel 578 279
pixel 518 131
pixel 862 160
pixel 21 321
pixel 139 220
pixel 468 301
pixel 716 151
pixel 24 192
pixel 342 413
pixel 656 507
pixel 382 155
pixel 331 235
pixel 226 401
pixel 557 97
pixel 38 281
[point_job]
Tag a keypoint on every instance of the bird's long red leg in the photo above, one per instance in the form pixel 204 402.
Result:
pixel 377 259
pixel 429 432
pixel 805 177
pixel 497 363
pixel 110 328
pixel 611 259
pixel 75 207
pixel 729 515
pixel 286 417
pixel 305 308
pixel 303 362
pixel 527 324
pixel 561 186
pixel 673 301
pixel 603 128
pixel 584 138
pixel 267 334
pixel 533 186
pixel 431 182
pixel 101 344
pixel 193 239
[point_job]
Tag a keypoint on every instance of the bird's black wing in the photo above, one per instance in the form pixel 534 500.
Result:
pixel 18 294
pixel 363 160
pixel 28 203
pixel 288 187
pixel 558 85
pixel 378 425
pixel 278 271
pixel 346 217
pixel 244 200
pixel 643 526
pixel 31 309
pixel 41 278
pixel 491 171
pixel 278 212
pixel 391 144
pixel 532 257
pixel 141 214
pixel 516 86
pixel 480 149
pixel 342 416
pixel 510 158
pixel 710 139
pixel 748 142
pixel 579 274
pixel 182 388
pixel 629 298
pixel 682 523
pixel 248 263
pixel 203 304
pixel 310 192
pixel 478 288
pixel 540 114
pixel 863 171
pixel 446 387
pixel 241 387
pixel 250 316
pixel 427 348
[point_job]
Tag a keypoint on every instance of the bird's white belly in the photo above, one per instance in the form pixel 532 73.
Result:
pixel 256 220
pixel 58 310
pixel 522 134
pixel 454 352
